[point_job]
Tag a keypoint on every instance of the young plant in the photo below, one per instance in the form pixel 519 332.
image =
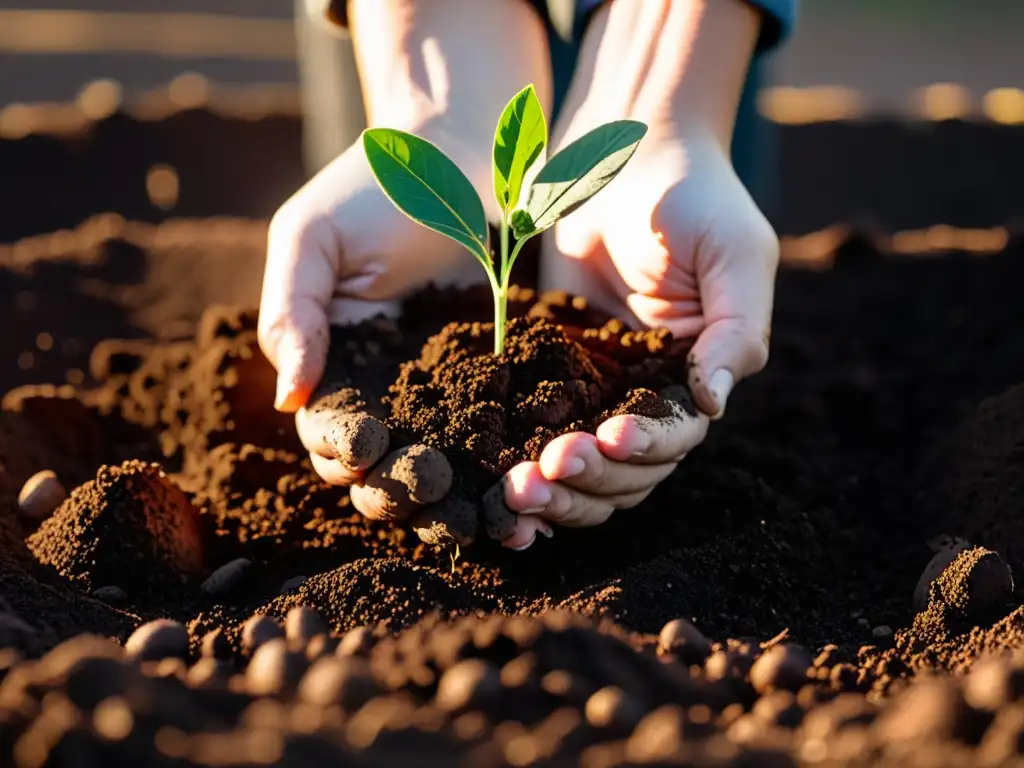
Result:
pixel 429 188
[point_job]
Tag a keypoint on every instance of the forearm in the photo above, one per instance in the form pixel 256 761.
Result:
pixel 453 61
pixel 678 65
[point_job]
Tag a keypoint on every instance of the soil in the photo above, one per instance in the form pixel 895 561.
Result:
pixel 564 368
pixel 756 610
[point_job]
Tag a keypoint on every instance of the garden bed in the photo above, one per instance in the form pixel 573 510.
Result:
pixel 885 424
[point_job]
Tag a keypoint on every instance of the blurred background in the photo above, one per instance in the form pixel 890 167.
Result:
pixel 889 113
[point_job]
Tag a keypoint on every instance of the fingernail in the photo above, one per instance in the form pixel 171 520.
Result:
pixel 574 467
pixel 284 391
pixel 720 386
pixel 531 511
pixel 641 442
pixel 525 546
pixel 546 529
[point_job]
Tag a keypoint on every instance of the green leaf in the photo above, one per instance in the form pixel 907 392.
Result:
pixel 428 187
pixel 519 139
pixel 581 170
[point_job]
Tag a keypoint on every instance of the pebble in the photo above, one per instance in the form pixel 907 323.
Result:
pixel 110 594
pixel 274 669
pixel 469 684
pixel 356 642
pixel 613 709
pixel 346 682
pixel 302 624
pixel 158 640
pixel 780 667
pixel 41 495
pixel 993 684
pixel 215 645
pixel 929 710
pixel 659 736
pixel 226 578
pixel 681 638
pixel 292 584
pixel 259 629
pixel 882 631
pixel 321 645
pixel 208 672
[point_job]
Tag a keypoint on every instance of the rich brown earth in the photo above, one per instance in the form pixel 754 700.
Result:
pixel 800 529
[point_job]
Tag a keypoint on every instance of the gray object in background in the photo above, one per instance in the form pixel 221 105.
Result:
pixel 332 99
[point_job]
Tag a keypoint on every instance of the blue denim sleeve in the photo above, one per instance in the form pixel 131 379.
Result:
pixel 779 17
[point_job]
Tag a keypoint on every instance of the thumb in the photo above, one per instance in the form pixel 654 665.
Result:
pixel 298 283
pixel 737 286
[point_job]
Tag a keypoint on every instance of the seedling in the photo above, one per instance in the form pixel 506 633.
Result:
pixel 428 187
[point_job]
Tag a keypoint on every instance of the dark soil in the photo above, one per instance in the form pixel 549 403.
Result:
pixel 755 610
pixel 564 368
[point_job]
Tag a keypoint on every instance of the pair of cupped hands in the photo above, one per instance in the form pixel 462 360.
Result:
pixel 674 241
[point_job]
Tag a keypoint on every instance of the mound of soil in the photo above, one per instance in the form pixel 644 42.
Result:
pixel 777 565
pixel 565 368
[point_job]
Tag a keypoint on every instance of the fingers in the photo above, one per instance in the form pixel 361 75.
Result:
pixel 402 483
pixel 576 461
pixel 645 440
pixel 737 291
pixel 298 283
pixel 566 505
pixel 357 440
pixel 333 471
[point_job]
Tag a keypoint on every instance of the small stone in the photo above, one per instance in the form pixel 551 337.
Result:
pixel 215 645
pixel 780 667
pixel 302 624
pixel 946 551
pixel 110 594
pixel 931 710
pixel 356 642
pixel 208 672
pixel 166 668
pixel 346 682
pixel 158 640
pixel 41 495
pixel 882 631
pixel 863 623
pixel 469 684
pixel 993 684
pixel 292 584
pixel 274 669
pixel 226 578
pixel 258 630
pixel 613 709
pixel 659 736
pixel 681 638
pixel 321 645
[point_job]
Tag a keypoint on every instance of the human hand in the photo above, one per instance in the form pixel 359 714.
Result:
pixel 340 252
pixel 675 241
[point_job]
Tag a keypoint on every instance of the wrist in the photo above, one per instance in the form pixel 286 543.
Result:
pixel 679 67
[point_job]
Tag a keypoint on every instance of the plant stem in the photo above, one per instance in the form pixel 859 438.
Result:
pixel 506 270
pixel 500 310
pixel 503 228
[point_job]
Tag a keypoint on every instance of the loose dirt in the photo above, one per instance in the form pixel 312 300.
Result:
pixel 755 610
